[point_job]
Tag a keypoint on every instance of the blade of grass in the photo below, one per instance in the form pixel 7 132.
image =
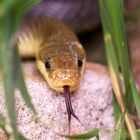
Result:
pixel 7 57
pixel 23 6
pixel 9 20
pixel 88 135
pixel 135 94
pixel 120 41
pixel 119 134
pixel 123 135
pixel 2 125
pixel 116 87
pixel 116 19
pixel 127 135
pixel 117 111
pixel 138 132
pixel 2 121
pixel 21 137
pixel 22 86
pixel 9 86
pixel 5 5
pixel 113 66
pixel 120 130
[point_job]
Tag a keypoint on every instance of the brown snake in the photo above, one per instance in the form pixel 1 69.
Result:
pixel 59 55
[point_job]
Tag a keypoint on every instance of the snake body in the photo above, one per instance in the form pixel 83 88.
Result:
pixel 59 55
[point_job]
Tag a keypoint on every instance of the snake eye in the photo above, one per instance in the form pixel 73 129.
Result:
pixel 47 65
pixel 80 63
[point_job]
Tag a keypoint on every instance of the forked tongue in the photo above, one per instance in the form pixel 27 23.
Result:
pixel 69 108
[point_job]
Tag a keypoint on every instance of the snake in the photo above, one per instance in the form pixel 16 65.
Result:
pixel 60 57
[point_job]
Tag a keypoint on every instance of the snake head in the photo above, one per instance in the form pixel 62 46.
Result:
pixel 62 65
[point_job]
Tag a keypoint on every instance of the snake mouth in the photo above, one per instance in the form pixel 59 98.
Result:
pixel 69 107
pixel 59 87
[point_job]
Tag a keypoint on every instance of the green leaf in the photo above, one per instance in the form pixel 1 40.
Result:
pixel 138 132
pixel 2 125
pixel 2 122
pixel 88 135
pixel 5 5
pixel 117 55
pixel 135 94
pixel 11 12
pixel 22 86
pixel 118 33
pixel 23 6
pixel 20 137
pixel 119 133
pixel 9 85
pixel 117 111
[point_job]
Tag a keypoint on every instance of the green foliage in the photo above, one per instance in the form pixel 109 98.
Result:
pixel 11 12
pixel 88 135
pixel 135 94
pixel 117 55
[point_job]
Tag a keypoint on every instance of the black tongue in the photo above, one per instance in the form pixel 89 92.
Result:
pixel 69 108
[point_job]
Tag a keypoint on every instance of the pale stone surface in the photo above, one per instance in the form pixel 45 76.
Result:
pixel 92 103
